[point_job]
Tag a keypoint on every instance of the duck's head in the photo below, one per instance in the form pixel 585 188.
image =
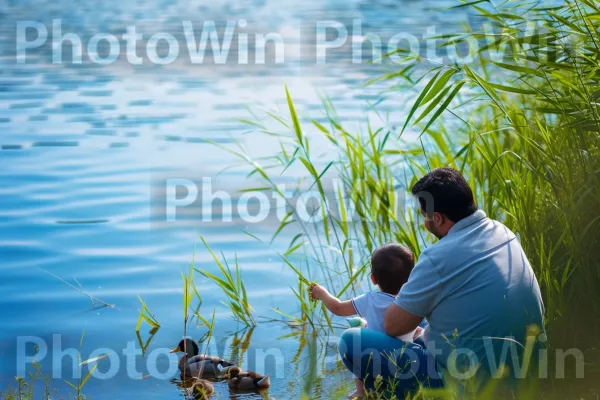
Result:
pixel 187 346
pixel 233 372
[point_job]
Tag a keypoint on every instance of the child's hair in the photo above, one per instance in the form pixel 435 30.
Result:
pixel 391 265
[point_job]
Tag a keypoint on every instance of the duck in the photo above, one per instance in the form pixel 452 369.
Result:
pixel 193 364
pixel 202 389
pixel 246 380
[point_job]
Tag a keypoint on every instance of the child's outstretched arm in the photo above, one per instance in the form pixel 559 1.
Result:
pixel 333 304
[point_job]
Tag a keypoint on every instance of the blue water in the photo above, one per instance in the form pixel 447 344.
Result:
pixel 84 154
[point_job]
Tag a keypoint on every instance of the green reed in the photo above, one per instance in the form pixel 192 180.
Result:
pixel 147 316
pixel 232 285
pixel 210 325
pixel 80 384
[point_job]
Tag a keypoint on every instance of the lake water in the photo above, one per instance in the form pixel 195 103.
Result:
pixel 83 148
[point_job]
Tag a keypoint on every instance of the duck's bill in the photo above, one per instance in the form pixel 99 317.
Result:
pixel 176 350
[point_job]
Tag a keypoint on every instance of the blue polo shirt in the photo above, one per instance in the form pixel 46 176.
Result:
pixel 473 285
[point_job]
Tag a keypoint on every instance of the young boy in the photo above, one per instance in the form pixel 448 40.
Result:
pixel 391 265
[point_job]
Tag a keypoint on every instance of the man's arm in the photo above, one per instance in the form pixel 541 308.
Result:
pixel 333 304
pixel 398 322
pixel 417 298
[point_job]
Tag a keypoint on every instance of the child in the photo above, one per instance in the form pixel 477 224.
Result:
pixel 391 265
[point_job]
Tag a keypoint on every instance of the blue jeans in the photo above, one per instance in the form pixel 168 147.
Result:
pixel 403 366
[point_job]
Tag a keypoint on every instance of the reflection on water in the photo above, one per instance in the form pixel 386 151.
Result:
pixel 81 148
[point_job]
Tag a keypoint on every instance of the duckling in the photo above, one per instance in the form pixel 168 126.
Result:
pixel 202 389
pixel 193 364
pixel 246 380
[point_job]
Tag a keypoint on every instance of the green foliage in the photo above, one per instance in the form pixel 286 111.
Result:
pixel 93 362
pixel 146 315
pixel 232 285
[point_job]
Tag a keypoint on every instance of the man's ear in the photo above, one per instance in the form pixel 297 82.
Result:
pixel 438 219
pixel 373 279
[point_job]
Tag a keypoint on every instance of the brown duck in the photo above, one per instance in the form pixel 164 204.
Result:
pixel 247 380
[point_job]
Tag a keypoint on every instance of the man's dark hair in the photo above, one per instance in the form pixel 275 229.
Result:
pixel 446 191
pixel 391 265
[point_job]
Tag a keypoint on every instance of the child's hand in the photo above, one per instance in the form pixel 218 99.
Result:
pixel 317 291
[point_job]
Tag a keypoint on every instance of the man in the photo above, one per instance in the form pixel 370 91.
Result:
pixel 475 288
